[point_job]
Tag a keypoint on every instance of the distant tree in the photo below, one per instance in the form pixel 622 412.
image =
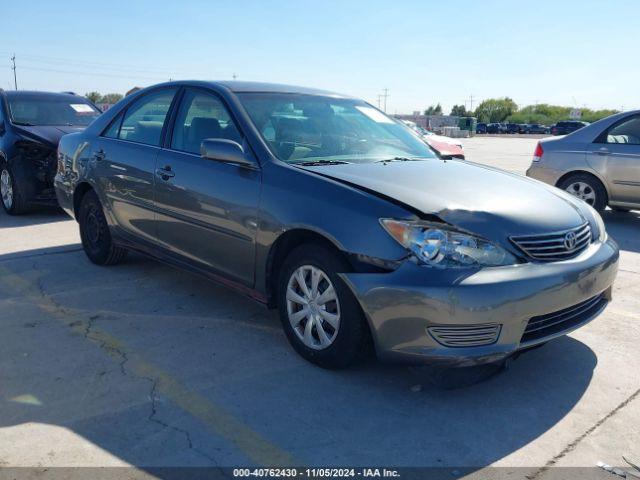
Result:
pixel 434 110
pixel 459 111
pixel 495 109
pixel 97 97
pixel 111 98
pixel 93 96
pixel 549 114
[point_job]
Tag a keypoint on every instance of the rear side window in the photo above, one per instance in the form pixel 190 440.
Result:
pixel 144 119
pixel 202 115
pixel 627 132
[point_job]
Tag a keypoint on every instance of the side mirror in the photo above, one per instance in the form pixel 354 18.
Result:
pixel 226 151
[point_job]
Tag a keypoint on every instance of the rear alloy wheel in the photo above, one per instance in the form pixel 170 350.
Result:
pixel 95 234
pixel 321 317
pixel 12 201
pixel 587 188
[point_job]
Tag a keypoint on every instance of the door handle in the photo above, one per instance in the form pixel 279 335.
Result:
pixel 165 173
pixel 602 151
pixel 100 155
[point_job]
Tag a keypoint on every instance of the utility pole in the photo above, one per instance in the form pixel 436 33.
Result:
pixel 471 102
pixel 385 95
pixel 15 79
pixel 379 100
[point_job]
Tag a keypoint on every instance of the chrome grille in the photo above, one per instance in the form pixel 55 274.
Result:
pixel 465 335
pixel 555 246
pixel 556 322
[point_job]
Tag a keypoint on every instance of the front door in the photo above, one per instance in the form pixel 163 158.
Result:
pixel 621 147
pixel 207 210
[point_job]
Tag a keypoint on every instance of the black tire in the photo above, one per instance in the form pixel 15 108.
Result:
pixel 351 340
pixel 601 199
pixel 18 204
pixel 621 209
pixel 95 234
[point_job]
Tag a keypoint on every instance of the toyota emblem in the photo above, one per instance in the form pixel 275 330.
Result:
pixel 570 240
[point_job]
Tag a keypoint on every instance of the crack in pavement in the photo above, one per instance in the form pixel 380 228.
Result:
pixel 153 418
pixel 258 448
pixel 120 355
pixel 572 445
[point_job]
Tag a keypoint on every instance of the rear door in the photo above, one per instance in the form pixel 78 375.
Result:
pixel 125 158
pixel 207 210
pixel 620 144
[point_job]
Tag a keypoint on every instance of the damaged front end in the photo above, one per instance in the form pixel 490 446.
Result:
pixel 37 163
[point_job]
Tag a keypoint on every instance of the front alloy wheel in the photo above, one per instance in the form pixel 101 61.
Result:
pixel 320 315
pixel 313 307
pixel 6 189
pixel 11 193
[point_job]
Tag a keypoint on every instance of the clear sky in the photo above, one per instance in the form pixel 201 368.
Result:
pixel 576 53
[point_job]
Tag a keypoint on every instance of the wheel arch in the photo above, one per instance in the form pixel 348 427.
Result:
pixel 284 244
pixel 295 237
pixel 589 173
pixel 78 193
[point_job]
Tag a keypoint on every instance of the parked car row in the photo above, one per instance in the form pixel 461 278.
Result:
pixel 323 207
pixel 560 128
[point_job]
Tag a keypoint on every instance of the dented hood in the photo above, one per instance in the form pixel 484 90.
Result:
pixel 487 201
pixel 48 134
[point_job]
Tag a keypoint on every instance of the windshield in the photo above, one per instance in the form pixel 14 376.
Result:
pixel 309 128
pixel 38 110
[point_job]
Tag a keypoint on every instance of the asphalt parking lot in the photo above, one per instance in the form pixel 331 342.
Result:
pixel 144 365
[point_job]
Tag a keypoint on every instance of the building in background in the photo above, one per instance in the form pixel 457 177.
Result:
pixel 133 90
pixel 433 123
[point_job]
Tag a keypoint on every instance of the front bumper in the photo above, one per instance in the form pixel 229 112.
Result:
pixel 400 306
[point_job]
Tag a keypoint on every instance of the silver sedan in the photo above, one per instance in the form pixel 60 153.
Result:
pixel 599 163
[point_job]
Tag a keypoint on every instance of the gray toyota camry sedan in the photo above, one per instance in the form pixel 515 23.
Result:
pixel 320 205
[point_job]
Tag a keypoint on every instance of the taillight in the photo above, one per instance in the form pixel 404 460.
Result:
pixel 537 154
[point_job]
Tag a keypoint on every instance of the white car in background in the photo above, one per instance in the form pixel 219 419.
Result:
pixel 445 146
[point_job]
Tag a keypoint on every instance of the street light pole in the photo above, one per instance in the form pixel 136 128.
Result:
pixel 15 79
pixel 385 95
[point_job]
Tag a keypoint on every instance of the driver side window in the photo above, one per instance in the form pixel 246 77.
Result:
pixel 627 132
pixel 202 115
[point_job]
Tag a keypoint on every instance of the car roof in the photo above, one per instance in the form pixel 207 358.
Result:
pixel 236 86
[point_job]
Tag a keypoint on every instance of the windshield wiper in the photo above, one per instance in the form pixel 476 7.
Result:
pixel 401 159
pixel 23 124
pixel 312 163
